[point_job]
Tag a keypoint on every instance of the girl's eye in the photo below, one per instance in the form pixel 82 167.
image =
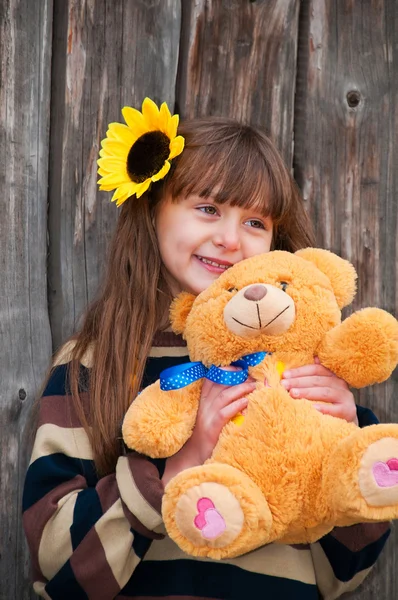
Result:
pixel 232 289
pixel 208 210
pixel 283 285
pixel 256 224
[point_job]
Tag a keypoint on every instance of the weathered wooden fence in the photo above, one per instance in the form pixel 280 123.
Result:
pixel 321 76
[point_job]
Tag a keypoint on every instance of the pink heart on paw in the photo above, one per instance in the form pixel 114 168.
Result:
pixel 215 524
pixel 386 473
pixel 208 519
pixel 202 506
pixel 393 464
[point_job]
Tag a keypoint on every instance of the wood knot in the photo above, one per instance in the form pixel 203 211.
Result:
pixel 353 98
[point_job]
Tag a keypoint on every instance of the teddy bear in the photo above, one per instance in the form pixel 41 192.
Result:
pixel 282 472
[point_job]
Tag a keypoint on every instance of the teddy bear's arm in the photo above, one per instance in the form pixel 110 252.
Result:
pixel 363 350
pixel 159 423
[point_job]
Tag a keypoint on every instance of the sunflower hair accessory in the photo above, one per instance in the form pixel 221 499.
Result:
pixel 135 154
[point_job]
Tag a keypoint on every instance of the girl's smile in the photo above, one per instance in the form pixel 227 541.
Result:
pixel 199 239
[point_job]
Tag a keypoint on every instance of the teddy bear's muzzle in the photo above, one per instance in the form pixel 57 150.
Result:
pixel 259 309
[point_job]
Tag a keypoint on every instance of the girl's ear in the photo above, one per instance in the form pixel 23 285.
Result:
pixel 340 272
pixel 179 311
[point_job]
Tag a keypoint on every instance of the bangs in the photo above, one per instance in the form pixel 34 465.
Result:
pixel 233 163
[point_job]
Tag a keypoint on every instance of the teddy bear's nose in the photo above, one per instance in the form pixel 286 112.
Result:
pixel 255 292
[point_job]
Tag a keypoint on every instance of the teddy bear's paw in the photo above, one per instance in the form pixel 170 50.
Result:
pixel 360 479
pixel 216 511
pixel 378 473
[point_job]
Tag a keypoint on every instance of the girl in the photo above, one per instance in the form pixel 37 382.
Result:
pixel 95 530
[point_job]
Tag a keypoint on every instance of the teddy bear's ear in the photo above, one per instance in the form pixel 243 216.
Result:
pixel 179 311
pixel 341 273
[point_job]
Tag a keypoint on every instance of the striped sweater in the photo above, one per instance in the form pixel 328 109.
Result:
pixel 103 538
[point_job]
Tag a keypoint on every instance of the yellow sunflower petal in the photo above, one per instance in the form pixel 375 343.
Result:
pixel 176 146
pixel 112 165
pixel 163 172
pixel 172 132
pixel 142 187
pixel 111 148
pixel 164 119
pixel 121 132
pixel 113 180
pixel 134 120
pixel 151 114
pixel 124 189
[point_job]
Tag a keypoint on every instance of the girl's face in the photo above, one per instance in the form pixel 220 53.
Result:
pixel 199 239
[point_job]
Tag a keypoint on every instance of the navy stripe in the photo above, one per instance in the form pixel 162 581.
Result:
pixel 344 562
pixel 141 544
pixel 155 365
pixel 63 586
pixel 48 472
pixel 211 580
pixel 58 383
pixel 366 416
pixel 87 512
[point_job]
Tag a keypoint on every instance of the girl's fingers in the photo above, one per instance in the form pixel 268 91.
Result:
pixel 324 394
pixel 312 381
pixel 308 370
pixel 231 410
pixel 230 394
pixel 346 412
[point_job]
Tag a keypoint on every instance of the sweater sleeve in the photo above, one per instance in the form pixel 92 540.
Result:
pixel 86 535
pixel 343 558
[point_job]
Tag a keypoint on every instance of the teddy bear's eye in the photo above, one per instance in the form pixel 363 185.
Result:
pixel 283 285
pixel 232 289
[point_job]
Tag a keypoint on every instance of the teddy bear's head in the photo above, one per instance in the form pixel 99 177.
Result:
pixel 266 302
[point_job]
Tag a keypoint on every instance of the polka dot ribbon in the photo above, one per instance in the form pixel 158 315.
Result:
pixel 180 376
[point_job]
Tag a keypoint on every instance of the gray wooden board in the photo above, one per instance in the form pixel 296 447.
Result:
pixel 346 131
pixel 25 340
pixel 106 55
pixel 238 59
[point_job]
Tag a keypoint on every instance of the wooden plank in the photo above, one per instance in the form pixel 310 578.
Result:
pixel 106 55
pixel 25 340
pixel 346 129
pixel 238 59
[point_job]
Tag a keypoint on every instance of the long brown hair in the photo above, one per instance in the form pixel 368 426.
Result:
pixel 237 164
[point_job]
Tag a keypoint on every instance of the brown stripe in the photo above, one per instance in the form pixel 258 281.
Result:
pixel 108 493
pixel 168 339
pixel 35 518
pixel 59 410
pixel 359 536
pixel 147 480
pixel 138 526
pixel 92 570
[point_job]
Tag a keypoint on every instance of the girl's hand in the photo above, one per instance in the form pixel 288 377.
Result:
pixel 218 405
pixel 315 382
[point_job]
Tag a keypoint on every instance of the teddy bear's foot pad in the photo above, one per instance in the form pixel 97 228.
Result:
pixel 215 510
pixel 378 473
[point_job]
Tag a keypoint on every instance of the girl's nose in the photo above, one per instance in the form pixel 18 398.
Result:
pixel 228 238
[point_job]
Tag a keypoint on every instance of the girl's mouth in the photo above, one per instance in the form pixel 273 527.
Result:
pixel 212 265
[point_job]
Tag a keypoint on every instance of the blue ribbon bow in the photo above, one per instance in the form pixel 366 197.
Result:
pixel 175 378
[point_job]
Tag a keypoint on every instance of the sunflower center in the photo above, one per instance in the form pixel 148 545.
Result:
pixel 147 155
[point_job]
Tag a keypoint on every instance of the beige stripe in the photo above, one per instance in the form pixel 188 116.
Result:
pixel 38 588
pixel 276 560
pixel 162 351
pixel 71 441
pixel 329 586
pixel 64 355
pixel 56 544
pixel 113 530
pixel 133 498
